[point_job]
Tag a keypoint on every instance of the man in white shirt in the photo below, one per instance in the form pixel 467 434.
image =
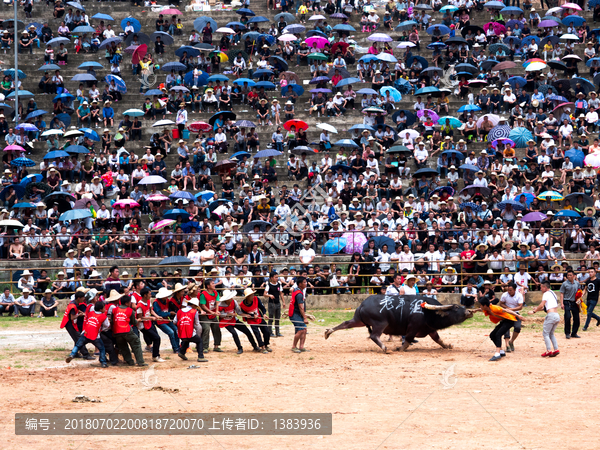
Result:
pixel 307 254
pixel 195 256
pixel 468 295
pixel 109 32
pixel 480 181
pixel 522 279
pixel 282 211
pixel 207 257
pixel 406 259
pixel 566 131
pixel 512 300
pixel 88 261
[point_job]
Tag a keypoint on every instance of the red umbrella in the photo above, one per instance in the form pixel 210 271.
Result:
pixel 199 126
pixel 299 124
pixel 139 53
pixel 339 46
pixel 563 107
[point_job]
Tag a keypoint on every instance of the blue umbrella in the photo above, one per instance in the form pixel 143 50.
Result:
pixel 454 122
pixel 499 132
pixel 469 167
pixel 184 195
pixel 387 57
pixel 100 16
pixel 240 155
pixel 333 246
pixel 514 204
pixel 591 60
pixel 335 168
pixel 573 19
pixel 295 28
pixel 245 11
pixel 520 136
pixel 348 143
pixel 511 10
pixel 119 83
pixel 191 51
pixel 56 154
pixel 449 8
pixel 262 72
pixel 265 84
pixel 19 191
pixel 36 113
pixel 189 78
pixel 576 157
pixel 152 92
pixel 236 24
pixel 513 81
pixel 201 22
pixel 368 58
pixel 435 45
pixel 258 19
pixel 367 91
pixel 174 213
pixel 512 39
pixel 407 25
pixel 137 27
pixel 218 77
pixel 422 60
pixel 469 108
pixel 176 66
pixel 253 35
pixel 397 96
pixel 495 5
pixel 267 153
pixel 26 127
pixel 205 195
pixel 84 29
pixel 361 127
pixel 299 90
pixel 48 67
pixel 427 90
pixel 22 95
pixel 57 41
pixel 343 27
pixel 11 73
pixel 90 134
pixel 22 162
pixel 442 29
pixel 528 198
pixel 134 112
pixel 241 81
pixel 474 206
pixel 347 81
pixel 451 153
pixel 75 214
pixel 33 178
pixel 380 241
pixel 567 213
pixel 23 205
pixel 76 5
pixel 64 118
pixel 109 41
pixel 77 149
pixel 287 17
pixel 403 85
pixel 84 77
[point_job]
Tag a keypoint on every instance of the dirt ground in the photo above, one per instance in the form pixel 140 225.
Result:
pixel 426 398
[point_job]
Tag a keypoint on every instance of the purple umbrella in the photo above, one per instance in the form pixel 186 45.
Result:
pixel 548 23
pixel 434 117
pixel 322 90
pixel 472 190
pixel 318 80
pixel 338 16
pixel 131 49
pixel 534 217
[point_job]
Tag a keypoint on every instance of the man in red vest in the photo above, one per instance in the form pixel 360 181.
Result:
pixel 91 333
pixel 69 322
pixel 297 313
pixel 227 311
pixel 209 299
pixel 253 313
pixel 187 321
pixel 147 317
pixel 122 319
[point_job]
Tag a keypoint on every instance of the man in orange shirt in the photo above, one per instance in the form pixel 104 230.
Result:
pixel 503 318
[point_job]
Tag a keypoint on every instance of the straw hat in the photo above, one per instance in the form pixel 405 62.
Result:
pixel 178 287
pixel 556 266
pixel 248 292
pixel 114 296
pixel 590 208
pixel 507 244
pixel 522 244
pixel 193 301
pixel 26 273
pixel 95 274
pixel 227 295
pixel 557 245
pixel 482 245
pixel 164 293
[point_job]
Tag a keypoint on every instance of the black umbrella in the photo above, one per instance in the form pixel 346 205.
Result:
pixel 302 149
pixel 472 28
pixel 456 40
pixel 278 61
pixel 34 188
pixel 410 116
pixel 398 149
pixel 380 241
pixel 485 191
pixel 143 38
pixel 428 172
pixel 226 115
pixel 488 64
pixel 264 226
pixel 558 65
pixel 562 85
pixel 176 261
pixel 206 47
pixel 232 54
pixel 574 198
pixel 343 72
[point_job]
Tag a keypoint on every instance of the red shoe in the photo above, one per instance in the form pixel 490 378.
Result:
pixel 555 353
pixel 544 355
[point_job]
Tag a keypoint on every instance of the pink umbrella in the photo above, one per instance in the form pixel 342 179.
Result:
pixel 14 148
pixel 498 27
pixel 428 112
pixel 592 160
pixel 571 6
pixel 125 202
pixel 354 242
pixel 171 12
pixel 564 107
pixel 158 198
pixel 320 41
pixel 163 223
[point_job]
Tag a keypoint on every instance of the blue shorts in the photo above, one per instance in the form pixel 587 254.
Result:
pixel 298 322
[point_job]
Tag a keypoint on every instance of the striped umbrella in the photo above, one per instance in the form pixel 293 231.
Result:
pixel 499 132
pixel 553 196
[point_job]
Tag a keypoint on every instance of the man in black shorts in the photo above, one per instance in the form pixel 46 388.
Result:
pixel 274 292
pixel 592 287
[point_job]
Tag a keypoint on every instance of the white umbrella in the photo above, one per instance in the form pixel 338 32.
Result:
pixel 569 37
pixel 74 133
pixel 163 123
pixel 317 17
pixel 11 223
pixel 491 118
pixel 287 38
pixel 152 179
pixel 327 127
pixel 556 9
pixel 534 66
pixel 413 134
pixel 572 57
pixel 52 132
pixel 225 30
pixel 406 45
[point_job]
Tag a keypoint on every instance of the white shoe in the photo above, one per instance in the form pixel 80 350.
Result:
pixel 158 359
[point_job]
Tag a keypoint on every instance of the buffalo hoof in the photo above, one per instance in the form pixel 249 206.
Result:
pixel 448 346
pixel 328 332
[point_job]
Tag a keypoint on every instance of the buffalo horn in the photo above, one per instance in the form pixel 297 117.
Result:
pixel 436 307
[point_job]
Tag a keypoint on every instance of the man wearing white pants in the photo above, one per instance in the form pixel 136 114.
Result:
pixel 550 303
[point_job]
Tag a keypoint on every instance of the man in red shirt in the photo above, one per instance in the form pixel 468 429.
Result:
pixel 91 333
pixel 187 322
pixel 122 319
pixel 466 257
pixel 253 313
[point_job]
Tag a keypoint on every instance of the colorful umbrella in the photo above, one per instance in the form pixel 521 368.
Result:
pixel 355 242
pixel 552 195
pixel 333 246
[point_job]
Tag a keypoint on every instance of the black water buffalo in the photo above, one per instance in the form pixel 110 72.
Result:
pixel 410 316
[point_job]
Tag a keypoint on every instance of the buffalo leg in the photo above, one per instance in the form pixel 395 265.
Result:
pixel 376 336
pixel 353 323
pixel 436 337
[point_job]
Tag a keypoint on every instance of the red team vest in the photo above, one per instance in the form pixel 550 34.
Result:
pixel 92 325
pixel 293 302
pixel 122 318
pixel 252 309
pixel 66 317
pixel 136 298
pixel 145 313
pixel 226 321
pixel 164 308
pixel 176 303
pixel 211 300
pixel 185 323
pixel 88 309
